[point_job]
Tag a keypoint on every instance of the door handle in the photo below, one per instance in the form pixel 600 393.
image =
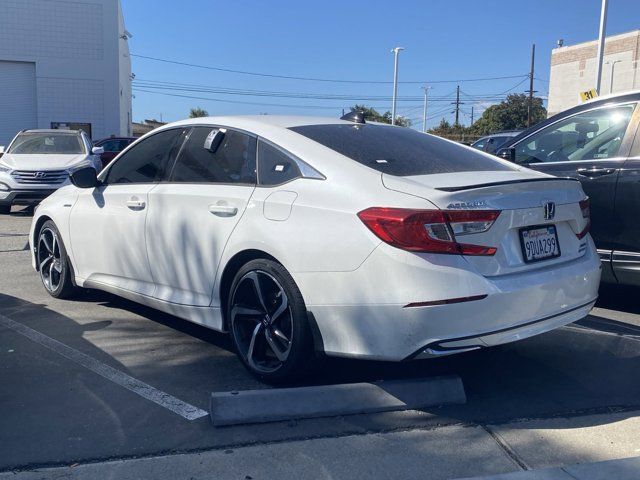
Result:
pixel 595 172
pixel 223 210
pixel 135 204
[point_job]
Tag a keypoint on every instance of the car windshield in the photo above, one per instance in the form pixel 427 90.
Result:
pixel 46 143
pixel 398 150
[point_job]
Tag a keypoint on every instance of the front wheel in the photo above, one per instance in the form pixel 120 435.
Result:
pixel 268 323
pixel 53 262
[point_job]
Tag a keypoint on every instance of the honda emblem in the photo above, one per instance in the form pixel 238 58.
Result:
pixel 549 210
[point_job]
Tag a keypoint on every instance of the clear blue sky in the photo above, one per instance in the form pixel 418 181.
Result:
pixel 349 40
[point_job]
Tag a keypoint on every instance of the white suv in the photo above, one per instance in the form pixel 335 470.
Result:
pixel 38 162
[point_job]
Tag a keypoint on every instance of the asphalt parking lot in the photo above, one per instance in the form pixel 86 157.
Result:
pixel 58 412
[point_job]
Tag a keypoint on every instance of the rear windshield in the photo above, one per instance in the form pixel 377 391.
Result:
pixel 397 150
pixel 47 143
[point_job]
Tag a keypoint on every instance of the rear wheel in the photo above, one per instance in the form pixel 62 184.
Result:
pixel 268 323
pixel 53 262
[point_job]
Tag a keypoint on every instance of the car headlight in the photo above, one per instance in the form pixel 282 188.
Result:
pixel 4 168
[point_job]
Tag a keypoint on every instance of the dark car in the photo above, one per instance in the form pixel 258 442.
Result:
pixel 112 147
pixel 597 143
pixel 491 143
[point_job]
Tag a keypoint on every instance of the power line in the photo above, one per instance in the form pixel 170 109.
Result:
pixel 195 88
pixel 312 79
pixel 246 103
pixel 263 93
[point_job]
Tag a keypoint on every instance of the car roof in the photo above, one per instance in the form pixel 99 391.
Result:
pixel 52 130
pixel 275 128
pixel 634 94
pixel 502 134
pixel 611 99
pixel 283 121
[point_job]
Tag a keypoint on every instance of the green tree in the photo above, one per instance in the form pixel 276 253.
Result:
pixel 510 114
pixel 198 112
pixel 373 115
pixel 445 129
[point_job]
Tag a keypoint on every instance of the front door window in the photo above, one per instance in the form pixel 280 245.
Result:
pixel 593 135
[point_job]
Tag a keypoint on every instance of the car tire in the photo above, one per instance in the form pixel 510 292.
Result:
pixel 5 209
pixel 267 318
pixel 53 262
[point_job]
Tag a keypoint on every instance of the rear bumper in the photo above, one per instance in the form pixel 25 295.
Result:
pixel 381 327
pixel 506 335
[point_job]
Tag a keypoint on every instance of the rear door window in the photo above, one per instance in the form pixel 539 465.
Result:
pixel 398 150
pixel 234 160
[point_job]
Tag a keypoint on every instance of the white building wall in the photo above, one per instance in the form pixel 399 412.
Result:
pixel 573 70
pixel 75 47
pixel 125 78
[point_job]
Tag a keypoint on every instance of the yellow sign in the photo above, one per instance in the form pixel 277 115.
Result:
pixel 588 95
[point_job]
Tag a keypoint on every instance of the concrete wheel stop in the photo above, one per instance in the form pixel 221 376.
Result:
pixel 281 404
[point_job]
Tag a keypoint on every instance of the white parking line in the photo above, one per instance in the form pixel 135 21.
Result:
pixel 116 376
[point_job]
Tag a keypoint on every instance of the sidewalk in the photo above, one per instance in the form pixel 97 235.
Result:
pixel 623 469
pixel 451 452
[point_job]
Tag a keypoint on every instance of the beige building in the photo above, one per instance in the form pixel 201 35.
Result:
pixel 573 69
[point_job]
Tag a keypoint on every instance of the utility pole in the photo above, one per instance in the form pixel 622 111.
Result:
pixel 601 37
pixel 396 51
pixel 472 115
pixel 531 72
pixel 424 110
pixel 457 103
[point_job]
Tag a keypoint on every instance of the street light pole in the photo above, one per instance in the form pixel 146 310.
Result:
pixel 601 38
pixel 395 52
pixel 424 111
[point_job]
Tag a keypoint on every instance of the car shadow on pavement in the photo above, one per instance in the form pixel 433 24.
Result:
pixel 213 337
pixel 567 371
pixel 60 411
pixel 622 298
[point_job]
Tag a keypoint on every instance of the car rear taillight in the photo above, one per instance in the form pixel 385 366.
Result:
pixel 586 213
pixel 432 231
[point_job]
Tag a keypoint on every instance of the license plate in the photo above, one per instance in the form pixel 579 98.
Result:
pixel 539 243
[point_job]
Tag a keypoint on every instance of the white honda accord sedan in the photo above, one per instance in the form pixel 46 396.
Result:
pixel 302 235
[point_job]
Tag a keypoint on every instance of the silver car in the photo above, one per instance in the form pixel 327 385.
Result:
pixel 38 162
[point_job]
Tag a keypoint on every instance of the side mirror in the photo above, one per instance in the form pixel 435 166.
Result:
pixel 507 154
pixel 97 150
pixel 214 140
pixel 85 177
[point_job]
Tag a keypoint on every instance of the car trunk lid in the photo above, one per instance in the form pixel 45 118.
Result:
pixel 524 199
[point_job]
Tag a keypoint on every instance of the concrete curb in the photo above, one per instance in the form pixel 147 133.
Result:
pixel 271 405
pixel 623 469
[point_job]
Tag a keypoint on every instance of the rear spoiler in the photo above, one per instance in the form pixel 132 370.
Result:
pixel 506 182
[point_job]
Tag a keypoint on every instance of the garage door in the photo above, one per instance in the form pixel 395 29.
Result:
pixel 17 99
